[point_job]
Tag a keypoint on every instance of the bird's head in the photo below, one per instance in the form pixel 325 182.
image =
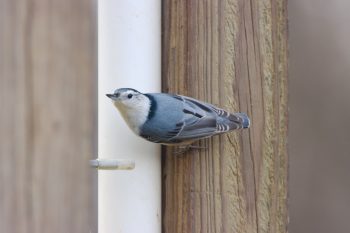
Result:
pixel 133 106
pixel 128 98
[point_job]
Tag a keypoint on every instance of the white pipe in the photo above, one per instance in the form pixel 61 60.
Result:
pixel 129 36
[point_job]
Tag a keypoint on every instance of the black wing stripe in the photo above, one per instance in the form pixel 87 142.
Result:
pixel 200 105
pixel 180 124
pixel 178 97
pixel 192 113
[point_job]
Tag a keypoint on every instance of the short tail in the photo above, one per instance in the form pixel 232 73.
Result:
pixel 241 118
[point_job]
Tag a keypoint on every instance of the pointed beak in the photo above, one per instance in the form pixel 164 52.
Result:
pixel 112 96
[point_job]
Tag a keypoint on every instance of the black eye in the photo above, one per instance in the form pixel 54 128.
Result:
pixel 130 96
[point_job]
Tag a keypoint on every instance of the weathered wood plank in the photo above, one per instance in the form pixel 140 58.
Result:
pixel 231 53
pixel 47 116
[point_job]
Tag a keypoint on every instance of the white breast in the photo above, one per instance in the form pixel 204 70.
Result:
pixel 136 115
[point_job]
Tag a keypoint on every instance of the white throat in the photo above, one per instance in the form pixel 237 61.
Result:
pixel 136 115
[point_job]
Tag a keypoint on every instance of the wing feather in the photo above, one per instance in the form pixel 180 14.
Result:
pixel 199 120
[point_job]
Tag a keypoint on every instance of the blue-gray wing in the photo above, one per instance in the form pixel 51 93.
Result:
pixel 200 120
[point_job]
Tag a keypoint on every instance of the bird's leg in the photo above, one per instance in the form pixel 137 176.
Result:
pixel 201 145
pixel 197 147
pixel 183 149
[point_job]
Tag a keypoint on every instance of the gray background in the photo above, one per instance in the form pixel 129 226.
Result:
pixel 319 126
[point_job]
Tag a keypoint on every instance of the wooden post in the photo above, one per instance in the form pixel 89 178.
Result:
pixel 232 53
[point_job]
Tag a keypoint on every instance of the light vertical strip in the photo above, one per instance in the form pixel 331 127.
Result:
pixel 129 55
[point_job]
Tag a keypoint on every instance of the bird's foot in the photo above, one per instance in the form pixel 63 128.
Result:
pixel 193 147
pixel 183 149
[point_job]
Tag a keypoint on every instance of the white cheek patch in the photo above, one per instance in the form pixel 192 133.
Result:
pixel 135 112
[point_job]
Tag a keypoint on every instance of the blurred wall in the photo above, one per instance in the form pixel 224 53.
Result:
pixel 47 116
pixel 319 135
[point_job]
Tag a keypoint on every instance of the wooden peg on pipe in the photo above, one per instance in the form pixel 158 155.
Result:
pixel 112 164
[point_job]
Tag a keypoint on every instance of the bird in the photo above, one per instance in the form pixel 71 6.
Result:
pixel 172 119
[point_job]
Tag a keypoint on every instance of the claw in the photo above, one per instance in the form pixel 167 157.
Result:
pixel 183 149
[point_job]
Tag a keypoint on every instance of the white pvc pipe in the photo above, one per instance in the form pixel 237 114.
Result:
pixel 129 201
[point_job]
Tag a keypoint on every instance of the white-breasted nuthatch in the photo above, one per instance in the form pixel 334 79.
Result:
pixel 173 119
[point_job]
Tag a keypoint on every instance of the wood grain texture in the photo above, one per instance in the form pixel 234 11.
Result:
pixel 47 116
pixel 232 53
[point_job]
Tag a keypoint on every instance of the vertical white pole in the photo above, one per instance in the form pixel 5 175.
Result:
pixel 129 43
